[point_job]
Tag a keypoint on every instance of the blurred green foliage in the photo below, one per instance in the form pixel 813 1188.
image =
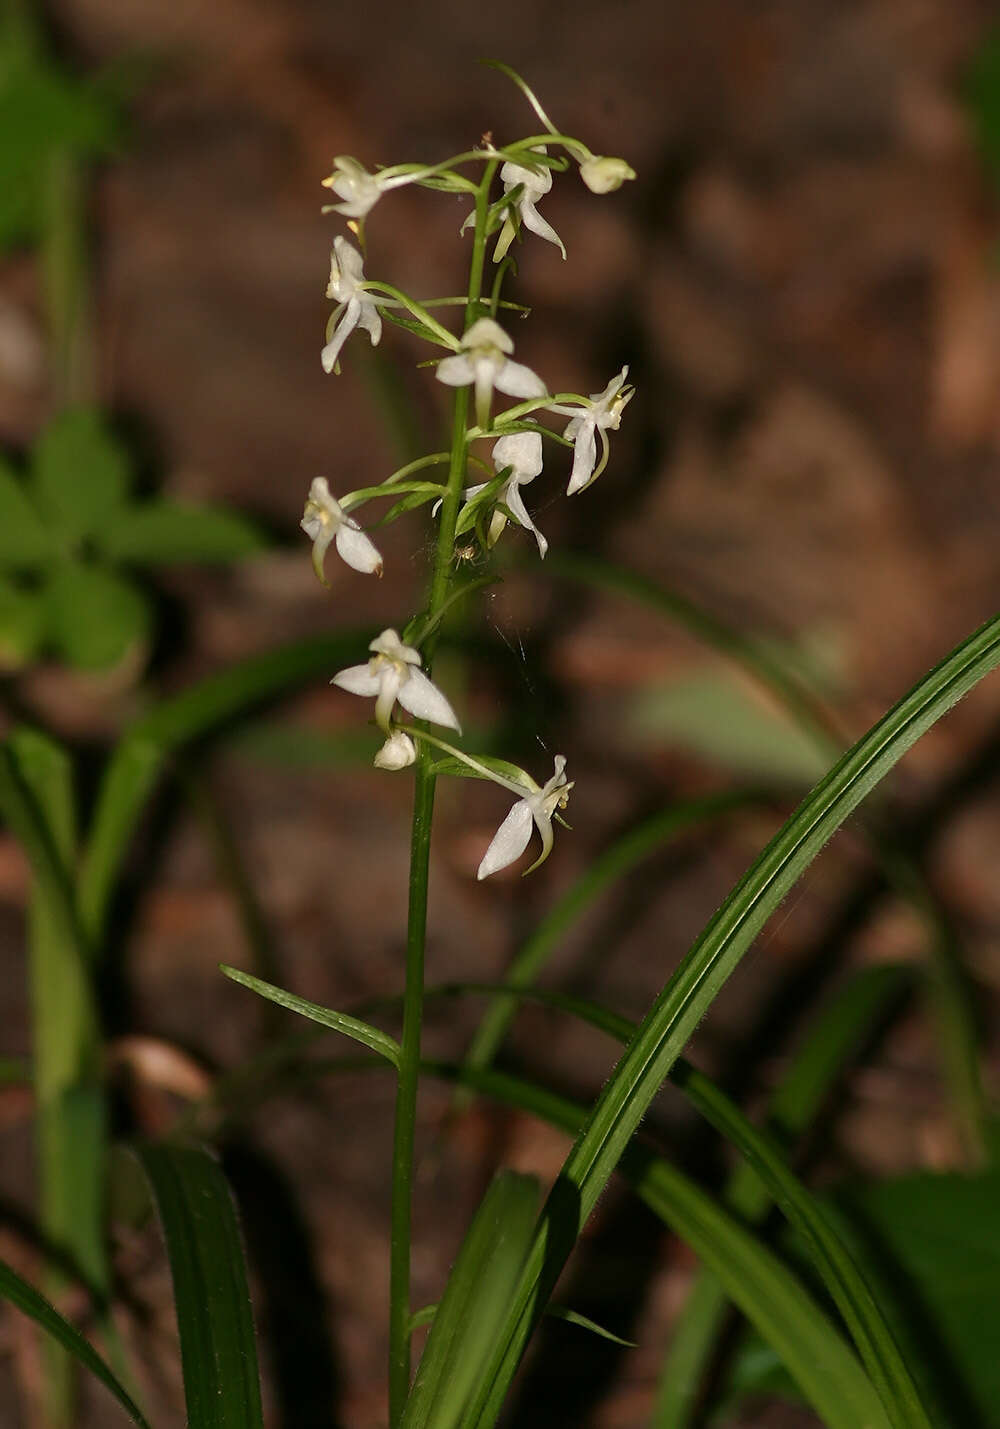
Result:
pixel 70 529
pixel 982 95
pixel 44 111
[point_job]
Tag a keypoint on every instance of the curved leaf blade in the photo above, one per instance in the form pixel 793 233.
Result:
pixel 211 1297
pixel 482 1278
pixel 166 531
pixel 371 1037
pixel 28 1300
pixel 690 992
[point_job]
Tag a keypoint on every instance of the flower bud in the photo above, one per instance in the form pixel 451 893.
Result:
pixel 397 752
pixel 603 175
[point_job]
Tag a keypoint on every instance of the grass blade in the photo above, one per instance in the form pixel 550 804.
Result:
pixel 36 796
pixel 837 1037
pixel 371 1037
pixel 27 1299
pixel 212 1301
pixel 768 1293
pixel 691 991
pixel 614 863
pixel 843 1278
pixel 949 995
pixel 481 1281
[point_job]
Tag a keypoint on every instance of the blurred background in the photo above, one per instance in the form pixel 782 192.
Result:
pixel 805 282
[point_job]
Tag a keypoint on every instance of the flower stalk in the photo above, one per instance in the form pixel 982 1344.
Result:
pixel 420 842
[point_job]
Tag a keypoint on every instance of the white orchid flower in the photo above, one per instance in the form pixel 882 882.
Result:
pixel 603 412
pixel 392 674
pixel 483 361
pixel 522 452
pixel 324 520
pixel 357 307
pixel 604 175
pixel 359 190
pixel 397 752
pixel 535 809
pixel 535 184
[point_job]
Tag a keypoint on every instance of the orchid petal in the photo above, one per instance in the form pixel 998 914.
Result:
pixel 354 547
pixel 509 841
pixel 357 680
pixel 456 371
pixel 345 327
pixel 515 505
pixel 517 380
pixel 584 456
pixel 534 221
pixel 422 698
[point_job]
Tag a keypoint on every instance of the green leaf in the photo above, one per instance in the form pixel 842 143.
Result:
pixel 949 992
pixel 482 1278
pixel 94 616
pixel 982 90
pixel 617 860
pixel 714 717
pixel 584 1322
pixel 24 542
pixel 211 1297
pixel 766 1291
pixel 371 1037
pixel 938 1240
pixel 457 768
pixel 81 473
pixel 28 1300
pixel 842 1029
pixel 42 110
pixel 687 997
pixel 412 502
pixel 164 531
pixel 22 625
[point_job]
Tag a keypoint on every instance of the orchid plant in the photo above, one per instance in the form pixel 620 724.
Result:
pixel 477 363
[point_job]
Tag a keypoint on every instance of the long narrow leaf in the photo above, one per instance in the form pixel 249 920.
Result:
pixel 757 1282
pixel 481 1281
pixel 949 995
pixel 37 797
pixel 212 1301
pixel 27 1299
pixel 767 1292
pixel 614 863
pixel 371 1037
pixel 691 991
pixel 842 1028
pixel 843 1278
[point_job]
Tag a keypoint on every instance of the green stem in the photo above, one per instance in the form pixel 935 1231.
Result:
pixel 423 809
